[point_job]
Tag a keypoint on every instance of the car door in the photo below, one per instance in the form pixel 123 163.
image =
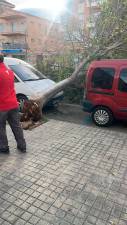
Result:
pixel 101 88
pixel 121 93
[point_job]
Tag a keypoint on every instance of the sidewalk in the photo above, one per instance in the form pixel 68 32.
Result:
pixel 71 175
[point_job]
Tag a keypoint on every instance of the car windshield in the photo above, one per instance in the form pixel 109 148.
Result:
pixel 26 72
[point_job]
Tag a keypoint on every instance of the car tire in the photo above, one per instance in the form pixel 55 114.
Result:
pixel 21 99
pixel 102 116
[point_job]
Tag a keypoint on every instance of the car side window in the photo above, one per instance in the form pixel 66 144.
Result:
pixel 122 86
pixel 103 78
pixel 16 80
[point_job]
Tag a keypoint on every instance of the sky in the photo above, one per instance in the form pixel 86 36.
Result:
pixel 55 6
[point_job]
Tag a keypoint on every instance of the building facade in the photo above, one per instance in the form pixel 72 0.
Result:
pixel 25 36
pixel 80 11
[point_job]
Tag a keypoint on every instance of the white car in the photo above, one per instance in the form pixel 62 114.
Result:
pixel 29 81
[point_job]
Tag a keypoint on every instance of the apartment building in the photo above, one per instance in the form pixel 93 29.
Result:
pixel 25 36
pixel 80 11
pixel 86 9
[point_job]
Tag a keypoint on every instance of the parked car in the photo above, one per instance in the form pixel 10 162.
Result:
pixel 29 81
pixel 105 94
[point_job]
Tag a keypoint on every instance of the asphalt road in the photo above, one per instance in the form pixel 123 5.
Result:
pixel 75 114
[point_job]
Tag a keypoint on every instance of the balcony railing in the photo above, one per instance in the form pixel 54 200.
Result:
pixel 14 46
pixel 13 33
pixel 13 16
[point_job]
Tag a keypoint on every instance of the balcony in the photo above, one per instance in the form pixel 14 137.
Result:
pixel 14 46
pixel 13 33
pixel 12 17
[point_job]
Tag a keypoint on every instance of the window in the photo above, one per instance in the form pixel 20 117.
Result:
pixel 16 80
pixel 27 73
pixel 81 8
pixel 81 19
pixel 103 78
pixel 1 27
pixel 123 81
pixel 13 27
pixel 22 27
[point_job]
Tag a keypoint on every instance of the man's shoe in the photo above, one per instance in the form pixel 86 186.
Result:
pixel 21 149
pixel 4 150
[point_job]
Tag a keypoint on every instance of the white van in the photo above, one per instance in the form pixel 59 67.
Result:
pixel 29 81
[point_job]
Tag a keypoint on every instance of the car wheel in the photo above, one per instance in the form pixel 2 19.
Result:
pixel 102 116
pixel 21 99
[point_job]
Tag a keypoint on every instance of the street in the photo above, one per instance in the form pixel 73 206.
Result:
pixel 75 114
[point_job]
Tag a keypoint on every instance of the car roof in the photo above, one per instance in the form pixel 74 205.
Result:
pixel 109 62
pixel 13 61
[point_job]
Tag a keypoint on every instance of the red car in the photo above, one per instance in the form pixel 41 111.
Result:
pixel 106 91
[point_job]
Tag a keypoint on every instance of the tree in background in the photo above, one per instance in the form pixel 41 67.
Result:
pixel 106 38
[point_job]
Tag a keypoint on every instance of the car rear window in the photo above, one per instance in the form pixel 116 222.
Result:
pixel 123 81
pixel 103 78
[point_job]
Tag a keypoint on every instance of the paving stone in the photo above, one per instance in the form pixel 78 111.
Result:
pixel 52 210
pixel 1 221
pixel 65 223
pixel 34 220
pixel 27 223
pixel 43 222
pixel 104 216
pixel 69 218
pixel 45 206
pixel 85 208
pixel 18 212
pixel 12 218
pixel 32 209
pixel 26 216
pixel 60 213
pixel 91 219
pixel 25 206
pixel 40 213
pixel 82 215
pixel 20 222
pixel 95 212
pixel 102 222
pixel 50 217
pixel 78 221
pixel 6 223
pixel 5 215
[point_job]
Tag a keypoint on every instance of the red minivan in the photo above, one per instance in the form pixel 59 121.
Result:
pixel 105 94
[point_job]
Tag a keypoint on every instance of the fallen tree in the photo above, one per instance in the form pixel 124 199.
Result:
pixel 41 100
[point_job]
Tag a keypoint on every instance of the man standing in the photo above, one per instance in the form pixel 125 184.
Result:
pixel 9 110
